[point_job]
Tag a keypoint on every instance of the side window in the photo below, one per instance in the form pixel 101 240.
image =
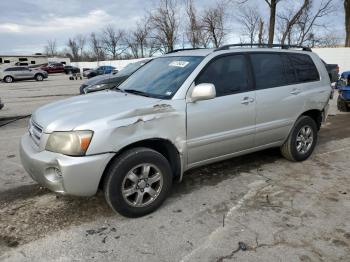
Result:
pixel 268 70
pixel 289 70
pixel 304 67
pixel 229 74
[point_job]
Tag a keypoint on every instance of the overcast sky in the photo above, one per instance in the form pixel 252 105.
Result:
pixel 26 25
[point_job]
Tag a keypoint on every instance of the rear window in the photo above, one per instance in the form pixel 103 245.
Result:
pixel 268 70
pixel 304 67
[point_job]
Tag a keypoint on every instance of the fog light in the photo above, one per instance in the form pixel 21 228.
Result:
pixel 53 174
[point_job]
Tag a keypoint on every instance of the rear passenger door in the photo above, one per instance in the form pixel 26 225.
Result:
pixel 225 124
pixel 279 96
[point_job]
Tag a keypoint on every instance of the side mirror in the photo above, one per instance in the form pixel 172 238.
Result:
pixel 204 91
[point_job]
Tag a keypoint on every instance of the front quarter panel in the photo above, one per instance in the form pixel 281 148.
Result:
pixel 166 120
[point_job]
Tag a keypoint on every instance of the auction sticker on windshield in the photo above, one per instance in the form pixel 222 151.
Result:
pixel 179 63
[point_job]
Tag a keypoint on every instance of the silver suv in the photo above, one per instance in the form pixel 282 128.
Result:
pixel 180 111
pixel 15 73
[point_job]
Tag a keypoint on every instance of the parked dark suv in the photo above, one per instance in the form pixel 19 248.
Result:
pixel 109 81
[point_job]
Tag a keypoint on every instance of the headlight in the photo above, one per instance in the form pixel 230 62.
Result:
pixel 96 87
pixel 73 143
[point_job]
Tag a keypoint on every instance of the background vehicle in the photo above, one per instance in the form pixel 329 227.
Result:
pixel 71 70
pixel 100 71
pixel 53 68
pixel 1 104
pixel 110 80
pixel 180 111
pixel 333 71
pixel 16 73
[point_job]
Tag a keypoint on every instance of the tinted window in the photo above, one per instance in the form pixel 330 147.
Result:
pixel 304 67
pixel 32 62
pixel 289 70
pixel 22 59
pixel 229 74
pixel 268 70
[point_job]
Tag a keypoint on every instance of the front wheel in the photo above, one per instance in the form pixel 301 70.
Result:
pixel 8 79
pixel 301 141
pixel 39 77
pixel 137 182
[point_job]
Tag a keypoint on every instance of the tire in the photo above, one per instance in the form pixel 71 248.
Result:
pixel 8 79
pixel 39 77
pixel 124 183
pixel 295 150
pixel 341 104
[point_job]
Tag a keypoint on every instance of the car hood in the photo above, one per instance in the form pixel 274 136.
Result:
pixel 69 114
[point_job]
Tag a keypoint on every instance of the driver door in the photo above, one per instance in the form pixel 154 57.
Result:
pixel 219 127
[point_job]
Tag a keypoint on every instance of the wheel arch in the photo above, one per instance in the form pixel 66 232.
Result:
pixel 162 146
pixel 316 115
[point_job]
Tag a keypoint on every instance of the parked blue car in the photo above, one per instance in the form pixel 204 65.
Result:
pixel 102 70
pixel 343 86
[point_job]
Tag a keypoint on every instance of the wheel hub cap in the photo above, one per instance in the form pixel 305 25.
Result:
pixel 304 139
pixel 142 185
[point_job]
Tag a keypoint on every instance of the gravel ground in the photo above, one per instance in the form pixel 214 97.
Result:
pixel 258 207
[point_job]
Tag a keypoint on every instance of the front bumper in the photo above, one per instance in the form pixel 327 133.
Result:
pixel 63 174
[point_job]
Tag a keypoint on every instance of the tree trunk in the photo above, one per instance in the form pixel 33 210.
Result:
pixel 347 22
pixel 261 31
pixel 293 21
pixel 272 21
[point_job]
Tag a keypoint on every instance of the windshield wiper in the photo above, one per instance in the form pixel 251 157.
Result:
pixel 116 88
pixel 137 92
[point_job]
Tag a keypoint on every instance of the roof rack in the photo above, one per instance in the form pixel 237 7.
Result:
pixel 227 47
pixel 185 49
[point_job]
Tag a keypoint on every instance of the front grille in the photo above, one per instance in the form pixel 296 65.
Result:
pixel 35 131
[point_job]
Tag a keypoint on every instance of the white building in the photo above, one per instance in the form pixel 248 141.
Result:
pixel 31 60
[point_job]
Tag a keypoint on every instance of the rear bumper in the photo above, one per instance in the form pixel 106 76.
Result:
pixel 63 174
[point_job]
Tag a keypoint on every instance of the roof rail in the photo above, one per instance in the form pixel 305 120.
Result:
pixel 227 47
pixel 185 49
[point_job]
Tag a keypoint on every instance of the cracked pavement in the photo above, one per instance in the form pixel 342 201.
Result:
pixel 258 207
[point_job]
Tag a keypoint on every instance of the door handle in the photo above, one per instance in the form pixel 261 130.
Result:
pixel 295 91
pixel 246 100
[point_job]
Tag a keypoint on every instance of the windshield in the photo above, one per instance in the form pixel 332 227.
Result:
pixel 161 77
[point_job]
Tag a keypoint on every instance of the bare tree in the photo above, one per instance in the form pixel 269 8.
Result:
pixel 81 41
pixel 251 22
pixel 73 48
pixel 165 23
pixel 309 20
pixel 292 19
pixel 112 41
pixel 273 7
pixel 51 48
pixel 213 22
pixel 193 28
pixel 96 48
pixel 347 22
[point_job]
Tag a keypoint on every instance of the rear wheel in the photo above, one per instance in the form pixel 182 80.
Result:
pixel 301 141
pixel 39 77
pixel 8 79
pixel 137 182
